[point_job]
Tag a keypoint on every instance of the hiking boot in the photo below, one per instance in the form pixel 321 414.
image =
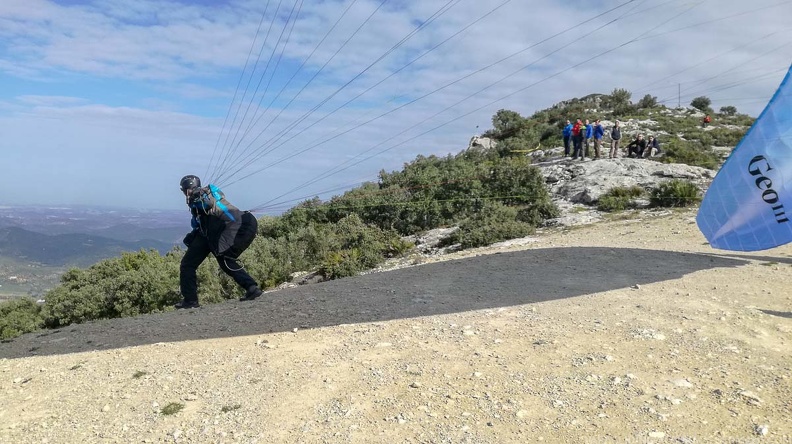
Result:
pixel 187 304
pixel 251 293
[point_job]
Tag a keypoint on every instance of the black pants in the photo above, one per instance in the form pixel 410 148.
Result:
pixel 195 255
pixel 577 142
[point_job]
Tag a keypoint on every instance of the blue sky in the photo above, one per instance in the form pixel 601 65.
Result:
pixel 111 102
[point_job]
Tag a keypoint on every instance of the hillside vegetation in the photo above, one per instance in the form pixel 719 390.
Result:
pixel 490 194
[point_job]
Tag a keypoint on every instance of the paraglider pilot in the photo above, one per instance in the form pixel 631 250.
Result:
pixel 218 228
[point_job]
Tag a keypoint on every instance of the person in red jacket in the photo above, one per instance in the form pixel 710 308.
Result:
pixel 706 121
pixel 578 134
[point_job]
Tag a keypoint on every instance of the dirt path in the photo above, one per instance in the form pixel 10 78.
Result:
pixel 629 331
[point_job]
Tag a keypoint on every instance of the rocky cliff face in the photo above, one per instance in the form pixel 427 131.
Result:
pixel 577 185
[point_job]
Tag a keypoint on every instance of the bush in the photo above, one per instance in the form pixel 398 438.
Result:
pixel 702 103
pixel 728 110
pixel 726 136
pixel 675 193
pixel 19 316
pixel 494 223
pixel 357 247
pixel 619 97
pixel 132 284
pixel 619 198
pixel 680 151
pixel 648 101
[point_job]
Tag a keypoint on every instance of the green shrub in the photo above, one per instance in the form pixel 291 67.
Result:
pixel 702 103
pixel 680 151
pixel 728 110
pixel 494 223
pixel 172 408
pixel 675 193
pixel 133 284
pixel 648 101
pixel 726 136
pixel 19 316
pixel 619 198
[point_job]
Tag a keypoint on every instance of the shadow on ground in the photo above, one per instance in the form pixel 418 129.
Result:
pixel 491 281
pixel 780 314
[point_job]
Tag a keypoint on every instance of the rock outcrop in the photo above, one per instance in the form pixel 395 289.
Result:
pixel 586 181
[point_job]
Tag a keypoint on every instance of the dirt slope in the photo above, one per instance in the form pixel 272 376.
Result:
pixel 624 331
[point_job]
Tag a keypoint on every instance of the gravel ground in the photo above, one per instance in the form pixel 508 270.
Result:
pixel 621 331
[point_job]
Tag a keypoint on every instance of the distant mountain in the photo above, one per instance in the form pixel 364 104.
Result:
pixel 132 233
pixel 68 249
pixel 129 225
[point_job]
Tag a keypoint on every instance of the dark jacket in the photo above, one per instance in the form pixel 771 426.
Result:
pixel 215 218
pixel 616 133
pixel 637 146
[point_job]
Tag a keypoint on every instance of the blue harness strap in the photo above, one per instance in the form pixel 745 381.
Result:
pixel 218 196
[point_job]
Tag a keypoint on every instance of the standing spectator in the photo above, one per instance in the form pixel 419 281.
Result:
pixel 567 137
pixel 637 147
pixel 652 146
pixel 589 133
pixel 615 138
pixel 598 133
pixel 578 134
pixel 706 121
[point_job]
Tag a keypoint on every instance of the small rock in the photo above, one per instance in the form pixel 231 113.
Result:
pixel 682 383
pixel 522 413
pixel 106 408
pixel 636 287
pixel 17 380
pixel 750 396
pixel 762 430
pixel 658 435
pixel 415 385
pixel 177 434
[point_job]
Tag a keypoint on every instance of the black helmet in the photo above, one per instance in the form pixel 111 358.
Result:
pixel 189 182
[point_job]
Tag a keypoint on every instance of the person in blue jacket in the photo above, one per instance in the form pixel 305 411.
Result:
pixel 652 147
pixel 567 133
pixel 589 133
pixel 599 131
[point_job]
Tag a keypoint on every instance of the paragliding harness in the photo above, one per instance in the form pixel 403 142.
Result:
pixel 230 231
pixel 244 236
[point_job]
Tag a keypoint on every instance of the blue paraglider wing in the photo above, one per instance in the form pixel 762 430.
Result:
pixel 748 207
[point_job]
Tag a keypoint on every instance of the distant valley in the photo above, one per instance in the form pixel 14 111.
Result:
pixel 37 244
